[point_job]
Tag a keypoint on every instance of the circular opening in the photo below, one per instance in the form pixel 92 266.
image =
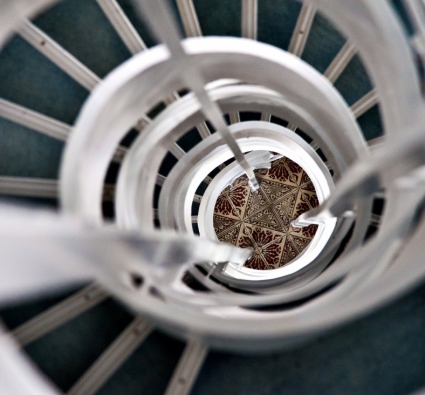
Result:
pixel 261 154
pixel 261 219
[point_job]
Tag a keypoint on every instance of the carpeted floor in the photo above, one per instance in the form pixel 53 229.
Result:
pixel 262 219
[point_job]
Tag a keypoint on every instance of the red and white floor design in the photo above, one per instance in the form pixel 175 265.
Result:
pixel 261 219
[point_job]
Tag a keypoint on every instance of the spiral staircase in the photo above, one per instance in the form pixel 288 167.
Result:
pixel 54 72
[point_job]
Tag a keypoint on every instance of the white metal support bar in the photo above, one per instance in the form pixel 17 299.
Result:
pixel 177 151
pixel 365 103
pixel 122 26
pixel 142 122
pixel 291 126
pixel 34 120
pixel 249 30
pixel 266 117
pixel 72 66
pixel 234 117
pixel 197 198
pixel 380 194
pixel 171 99
pixel 160 179
pixel 302 29
pixel 315 145
pixel 187 369
pixel 40 187
pixel 111 359
pixel 119 154
pixel 189 18
pixel 108 193
pixel 375 220
pixel 192 28
pixel 249 19
pixel 59 314
pixel 58 55
pixel 207 179
pixel 30 187
pixel 340 62
pixel 203 130
pixel 376 142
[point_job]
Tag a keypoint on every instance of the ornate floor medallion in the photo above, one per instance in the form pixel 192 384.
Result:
pixel 261 219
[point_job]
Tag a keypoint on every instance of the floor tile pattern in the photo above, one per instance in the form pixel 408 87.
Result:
pixel 262 219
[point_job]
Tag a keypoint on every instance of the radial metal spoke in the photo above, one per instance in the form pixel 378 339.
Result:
pixel 58 55
pixel 142 122
pixel 119 154
pixel 379 194
pixel 197 198
pixel 203 130
pixel 291 126
pixel 108 193
pixel 234 117
pixel 302 30
pixel 40 187
pixel 376 143
pixel 42 123
pixel 207 179
pixel 177 151
pixel 171 99
pixel 266 117
pixel 122 25
pixel 189 18
pixel 59 314
pixel 160 179
pixel 375 220
pixel 315 145
pixel 365 103
pixel 31 187
pixel 249 19
pixel 111 359
pixel 34 120
pixel 194 219
pixel 187 369
pixel 340 62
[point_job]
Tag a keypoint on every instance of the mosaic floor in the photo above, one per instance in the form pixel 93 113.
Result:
pixel 261 219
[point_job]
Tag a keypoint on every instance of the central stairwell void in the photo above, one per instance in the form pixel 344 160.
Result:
pixel 261 219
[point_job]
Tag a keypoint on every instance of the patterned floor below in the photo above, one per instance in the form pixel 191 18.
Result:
pixel 262 219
